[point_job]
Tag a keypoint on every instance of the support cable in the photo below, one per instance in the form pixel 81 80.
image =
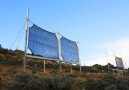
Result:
pixel 31 22
pixel 17 35
pixel 20 39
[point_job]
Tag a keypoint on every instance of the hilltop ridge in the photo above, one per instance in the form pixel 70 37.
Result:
pixel 11 63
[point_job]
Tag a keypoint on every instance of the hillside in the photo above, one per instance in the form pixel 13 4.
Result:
pixel 94 77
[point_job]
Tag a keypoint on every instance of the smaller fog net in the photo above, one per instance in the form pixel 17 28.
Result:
pixel 69 50
pixel 119 63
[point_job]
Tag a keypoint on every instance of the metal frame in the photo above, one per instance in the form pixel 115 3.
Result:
pixel 79 55
pixel 59 51
pixel 38 57
pixel 26 39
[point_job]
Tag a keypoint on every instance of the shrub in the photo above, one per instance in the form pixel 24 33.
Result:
pixel 15 71
pixel 1 59
pixel 20 81
pixel 0 69
pixel 38 84
pixel 11 61
pixel 73 75
pixel 23 81
pixel 53 71
pixel 67 70
pixel 89 84
pixel 0 83
pixel 122 83
pixel 111 87
pixel 34 70
pixel 63 83
pixel 3 51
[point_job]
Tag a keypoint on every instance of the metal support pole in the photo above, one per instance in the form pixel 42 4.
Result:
pixel 26 38
pixel 79 55
pixel 44 66
pixel 59 50
pixel 124 63
pixel 107 59
pixel 71 68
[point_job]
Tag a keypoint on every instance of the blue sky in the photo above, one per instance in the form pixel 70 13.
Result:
pixel 98 23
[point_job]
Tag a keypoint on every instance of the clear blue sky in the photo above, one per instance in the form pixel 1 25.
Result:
pixel 98 23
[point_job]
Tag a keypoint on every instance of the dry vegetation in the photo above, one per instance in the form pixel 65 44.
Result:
pixel 94 77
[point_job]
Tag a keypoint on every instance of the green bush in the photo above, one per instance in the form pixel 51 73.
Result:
pixel 53 71
pixel 122 83
pixel 15 71
pixel 108 82
pixel 0 83
pixel 0 69
pixel 67 70
pixel 20 81
pixel 89 84
pixel 1 59
pixel 23 81
pixel 111 87
pixel 3 51
pixel 39 84
pixel 63 83
pixel 11 61
pixel 34 70
pixel 73 75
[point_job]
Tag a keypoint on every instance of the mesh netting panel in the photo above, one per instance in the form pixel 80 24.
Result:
pixel 119 63
pixel 42 42
pixel 69 50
